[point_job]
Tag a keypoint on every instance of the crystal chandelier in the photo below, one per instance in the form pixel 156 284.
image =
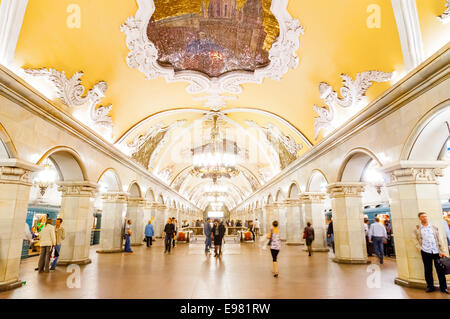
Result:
pixel 216 159
pixel 45 178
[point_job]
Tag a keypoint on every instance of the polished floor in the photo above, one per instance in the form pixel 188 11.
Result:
pixel 244 271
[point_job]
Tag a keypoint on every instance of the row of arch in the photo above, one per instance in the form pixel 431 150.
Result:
pixel 426 142
pixel 70 167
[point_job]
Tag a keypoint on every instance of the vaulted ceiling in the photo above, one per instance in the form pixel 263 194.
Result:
pixel 335 37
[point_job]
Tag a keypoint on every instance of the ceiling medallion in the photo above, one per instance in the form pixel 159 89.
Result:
pixel 353 92
pixel 187 47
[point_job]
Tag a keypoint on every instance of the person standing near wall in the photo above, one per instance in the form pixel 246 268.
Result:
pixel 257 227
pixel 275 246
pixel 369 245
pixel 175 225
pixel 60 236
pixel 47 241
pixel 308 235
pixel 330 234
pixel 377 236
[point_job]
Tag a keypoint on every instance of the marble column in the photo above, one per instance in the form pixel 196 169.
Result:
pixel 160 219
pixel 314 205
pixel 77 208
pixel 268 213
pixel 113 218
pixel 413 188
pixel 135 212
pixel 294 222
pixel 280 215
pixel 15 184
pixel 348 219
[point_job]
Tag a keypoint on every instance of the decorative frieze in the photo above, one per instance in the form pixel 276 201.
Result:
pixel 412 172
pixel 312 197
pixel 136 201
pixel 115 197
pixel 77 189
pixel 341 189
pixel 352 92
pixel 13 171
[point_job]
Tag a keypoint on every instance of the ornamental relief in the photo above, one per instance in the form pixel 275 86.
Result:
pixel 214 45
pixel 445 17
pixel 417 175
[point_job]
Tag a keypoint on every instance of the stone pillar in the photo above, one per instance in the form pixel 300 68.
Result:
pixel 268 212
pixel 77 208
pixel 15 187
pixel 413 188
pixel 135 212
pixel 314 205
pixel 280 215
pixel 113 218
pixel 160 219
pixel 294 221
pixel 348 219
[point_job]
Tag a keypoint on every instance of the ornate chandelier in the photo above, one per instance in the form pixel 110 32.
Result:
pixel 217 158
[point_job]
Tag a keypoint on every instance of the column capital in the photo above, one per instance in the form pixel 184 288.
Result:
pixel 135 201
pixel 15 171
pixel 345 189
pixel 315 197
pixel 151 204
pixel 414 172
pixel 291 202
pixel 115 197
pixel 77 189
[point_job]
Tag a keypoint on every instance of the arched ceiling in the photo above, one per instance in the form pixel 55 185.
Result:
pixel 266 119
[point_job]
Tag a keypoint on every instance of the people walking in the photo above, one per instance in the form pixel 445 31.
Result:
pixel 127 234
pixel 427 240
pixel 308 235
pixel 207 230
pixel 47 242
pixel 168 234
pixel 217 233
pixel 275 246
pixel 60 236
pixel 377 236
pixel 388 248
pixel 149 232
pixel 369 246
pixel 330 234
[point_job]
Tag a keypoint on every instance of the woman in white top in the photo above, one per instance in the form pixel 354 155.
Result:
pixel 275 245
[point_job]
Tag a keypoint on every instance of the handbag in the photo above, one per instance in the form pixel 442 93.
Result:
pixel 304 234
pixel 444 265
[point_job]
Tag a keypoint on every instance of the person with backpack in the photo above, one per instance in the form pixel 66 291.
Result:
pixel 149 232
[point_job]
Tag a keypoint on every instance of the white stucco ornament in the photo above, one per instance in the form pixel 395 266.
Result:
pixel 143 56
pixel 445 17
pixel 352 92
pixel 70 92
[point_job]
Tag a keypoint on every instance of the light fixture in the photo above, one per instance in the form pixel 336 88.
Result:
pixel 373 176
pixel 45 178
pixel 216 159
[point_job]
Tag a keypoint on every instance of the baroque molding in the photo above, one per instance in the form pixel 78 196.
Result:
pixel 145 148
pixel 341 189
pixel 114 197
pixel 284 149
pixel 313 197
pixel 70 92
pixel 143 56
pixel 77 189
pixel 352 92
pixel 414 172
pixel 445 17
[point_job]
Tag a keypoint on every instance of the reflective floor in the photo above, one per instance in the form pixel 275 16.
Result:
pixel 244 271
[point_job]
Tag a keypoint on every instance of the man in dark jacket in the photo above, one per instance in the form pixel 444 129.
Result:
pixel 330 233
pixel 207 231
pixel 169 232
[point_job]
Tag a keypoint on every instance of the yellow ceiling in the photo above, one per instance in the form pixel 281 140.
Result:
pixel 336 40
